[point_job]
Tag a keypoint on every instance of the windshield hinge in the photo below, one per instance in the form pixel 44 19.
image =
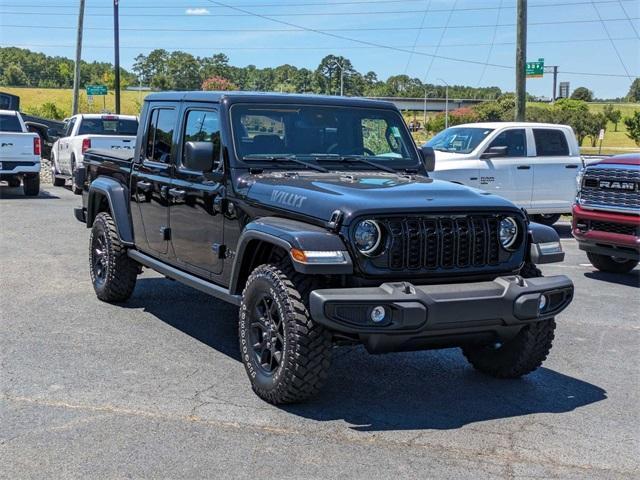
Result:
pixel 335 221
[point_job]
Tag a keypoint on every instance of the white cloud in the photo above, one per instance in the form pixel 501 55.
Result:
pixel 197 11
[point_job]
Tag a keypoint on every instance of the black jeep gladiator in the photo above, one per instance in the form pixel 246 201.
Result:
pixel 317 217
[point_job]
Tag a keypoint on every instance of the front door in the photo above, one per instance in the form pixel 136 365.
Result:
pixel 151 176
pixel 510 176
pixel 195 213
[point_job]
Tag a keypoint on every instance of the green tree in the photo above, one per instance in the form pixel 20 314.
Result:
pixel 612 115
pixel 582 93
pixel 633 127
pixel 14 76
pixel 634 91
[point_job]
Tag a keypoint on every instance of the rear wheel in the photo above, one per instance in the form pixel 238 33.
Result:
pixel 285 353
pixel 31 185
pixel 113 272
pixel 606 263
pixel 546 218
pixel 522 354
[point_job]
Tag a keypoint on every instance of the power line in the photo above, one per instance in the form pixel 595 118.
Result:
pixel 613 44
pixel 415 42
pixel 298 28
pixel 442 34
pixel 628 18
pixel 493 42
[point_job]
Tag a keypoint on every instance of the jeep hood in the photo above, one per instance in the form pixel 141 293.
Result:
pixel 318 195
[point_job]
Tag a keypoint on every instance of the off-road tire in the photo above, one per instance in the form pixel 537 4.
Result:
pixel 117 279
pixel 605 263
pixel 14 182
pixel 74 188
pixel 549 219
pixel 306 350
pixel 31 185
pixel 521 355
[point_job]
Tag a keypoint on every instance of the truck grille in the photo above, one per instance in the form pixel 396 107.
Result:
pixel 594 195
pixel 417 243
pixel 611 227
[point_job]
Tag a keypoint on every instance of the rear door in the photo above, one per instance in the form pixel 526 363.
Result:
pixel 151 175
pixel 510 176
pixel 554 172
pixel 196 220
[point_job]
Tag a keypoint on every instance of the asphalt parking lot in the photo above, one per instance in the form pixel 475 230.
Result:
pixel 155 387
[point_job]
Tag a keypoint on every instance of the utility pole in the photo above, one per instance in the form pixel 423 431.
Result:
pixel 521 59
pixel 76 73
pixel 341 67
pixel 555 83
pixel 116 42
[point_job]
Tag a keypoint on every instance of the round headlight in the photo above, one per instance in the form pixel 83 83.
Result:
pixel 508 232
pixel 367 237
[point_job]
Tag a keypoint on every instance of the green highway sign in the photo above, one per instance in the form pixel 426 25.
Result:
pixel 535 69
pixel 97 90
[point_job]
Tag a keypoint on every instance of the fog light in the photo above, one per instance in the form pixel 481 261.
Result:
pixel 377 314
pixel 542 302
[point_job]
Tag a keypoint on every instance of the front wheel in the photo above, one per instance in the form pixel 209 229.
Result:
pixel 31 185
pixel 285 353
pixel 113 272
pixel 547 218
pixel 609 264
pixel 75 188
pixel 57 181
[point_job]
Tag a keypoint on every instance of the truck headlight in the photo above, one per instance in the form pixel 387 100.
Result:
pixel 508 232
pixel 367 237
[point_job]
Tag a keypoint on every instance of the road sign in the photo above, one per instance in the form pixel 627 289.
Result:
pixel 564 89
pixel 535 69
pixel 90 99
pixel 601 136
pixel 97 90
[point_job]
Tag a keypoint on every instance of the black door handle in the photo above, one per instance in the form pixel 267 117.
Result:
pixel 144 186
pixel 524 167
pixel 177 193
pixel 571 166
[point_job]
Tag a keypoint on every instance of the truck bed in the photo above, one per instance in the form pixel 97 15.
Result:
pixel 105 155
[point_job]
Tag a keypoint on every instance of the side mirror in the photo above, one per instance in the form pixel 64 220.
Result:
pixel 494 152
pixel 428 158
pixel 199 156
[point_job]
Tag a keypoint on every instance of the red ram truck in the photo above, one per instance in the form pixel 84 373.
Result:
pixel 606 216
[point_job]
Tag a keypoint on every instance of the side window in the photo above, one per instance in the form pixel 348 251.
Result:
pixel 201 126
pixel 160 135
pixel 515 141
pixel 550 142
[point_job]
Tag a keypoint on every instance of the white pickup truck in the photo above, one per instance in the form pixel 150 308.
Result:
pixel 20 153
pixel 85 131
pixel 534 165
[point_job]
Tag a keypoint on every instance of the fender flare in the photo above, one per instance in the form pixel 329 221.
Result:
pixel 539 234
pixel 287 234
pixel 117 195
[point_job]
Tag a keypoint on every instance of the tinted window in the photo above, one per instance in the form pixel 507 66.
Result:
pixel 10 123
pixel 459 139
pixel 202 126
pixel 160 135
pixel 514 140
pixel 107 126
pixel 319 133
pixel 550 142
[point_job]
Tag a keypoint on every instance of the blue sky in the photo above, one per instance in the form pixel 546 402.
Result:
pixel 581 36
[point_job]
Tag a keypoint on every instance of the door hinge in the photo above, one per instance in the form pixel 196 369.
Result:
pixel 219 250
pixel 166 233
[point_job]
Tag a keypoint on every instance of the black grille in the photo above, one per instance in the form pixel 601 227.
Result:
pixel 417 243
pixel 592 195
pixel 611 227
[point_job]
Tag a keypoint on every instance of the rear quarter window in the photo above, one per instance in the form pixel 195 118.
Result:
pixel 550 142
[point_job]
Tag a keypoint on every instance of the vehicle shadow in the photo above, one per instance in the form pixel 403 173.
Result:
pixel 10 193
pixel 631 279
pixel 401 391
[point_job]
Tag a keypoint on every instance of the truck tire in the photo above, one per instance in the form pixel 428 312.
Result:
pixel 609 264
pixel 285 353
pixel 546 219
pixel 113 272
pixel 14 182
pixel 31 185
pixel 57 181
pixel 519 356
pixel 74 188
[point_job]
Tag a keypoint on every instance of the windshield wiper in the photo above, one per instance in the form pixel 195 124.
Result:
pixel 354 159
pixel 283 158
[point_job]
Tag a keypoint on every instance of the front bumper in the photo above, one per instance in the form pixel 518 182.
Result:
pixel 433 316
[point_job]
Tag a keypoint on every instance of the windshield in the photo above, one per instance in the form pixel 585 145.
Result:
pixel 10 123
pixel 108 126
pixel 459 139
pixel 312 133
